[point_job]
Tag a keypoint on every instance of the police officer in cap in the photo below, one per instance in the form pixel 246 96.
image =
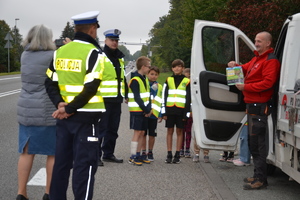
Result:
pixel 74 78
pixel 113 89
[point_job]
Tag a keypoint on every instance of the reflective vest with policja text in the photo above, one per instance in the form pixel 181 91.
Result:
pixel 71 73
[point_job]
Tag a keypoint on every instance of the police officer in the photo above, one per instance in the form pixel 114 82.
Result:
pixel 74 79
pixel 113 89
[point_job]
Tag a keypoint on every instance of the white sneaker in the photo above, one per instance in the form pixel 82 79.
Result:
pixel 196 158
pixel 240 163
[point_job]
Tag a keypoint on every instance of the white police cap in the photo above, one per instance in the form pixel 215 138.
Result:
pixel 113 34
pixel 86 18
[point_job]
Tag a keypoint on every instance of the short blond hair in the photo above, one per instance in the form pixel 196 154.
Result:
pixel 142 61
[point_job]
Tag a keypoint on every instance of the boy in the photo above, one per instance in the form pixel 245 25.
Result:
pixel 175 107
pixel 140 108
pixel 155 94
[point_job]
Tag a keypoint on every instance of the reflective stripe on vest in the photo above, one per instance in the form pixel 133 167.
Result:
pixel 109 83
pixel 71 73
pixel 144 93
pixel 157 101
pixel 177 96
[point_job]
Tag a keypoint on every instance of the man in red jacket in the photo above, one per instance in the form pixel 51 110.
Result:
pixel 261 74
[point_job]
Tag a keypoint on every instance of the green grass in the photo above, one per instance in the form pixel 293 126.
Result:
pixel 11 73
pixel 163 77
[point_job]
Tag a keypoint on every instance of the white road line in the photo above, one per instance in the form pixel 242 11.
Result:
pixel 3 94
pixel 1 79
pixel 39 179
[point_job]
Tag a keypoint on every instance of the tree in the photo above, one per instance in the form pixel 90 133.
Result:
pixel 14 52
pixel 69 31
pixel 254 16
pixel 126 52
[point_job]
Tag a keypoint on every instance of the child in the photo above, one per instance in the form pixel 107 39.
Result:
pixel 140 108
pixel 197 152
pixel 175 106
pixel 245 156
pixel 225 157
pixel 155 94
pixel 187 136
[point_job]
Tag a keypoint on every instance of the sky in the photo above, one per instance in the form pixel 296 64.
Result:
pixel 135 18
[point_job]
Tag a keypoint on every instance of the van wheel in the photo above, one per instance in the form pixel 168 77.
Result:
pixel 270 169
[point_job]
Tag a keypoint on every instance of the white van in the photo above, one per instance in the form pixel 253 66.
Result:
pixel 219 110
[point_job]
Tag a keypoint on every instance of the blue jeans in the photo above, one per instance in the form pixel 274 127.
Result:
pixel 244 147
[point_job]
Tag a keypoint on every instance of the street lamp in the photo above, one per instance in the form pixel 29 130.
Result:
pixel 16 29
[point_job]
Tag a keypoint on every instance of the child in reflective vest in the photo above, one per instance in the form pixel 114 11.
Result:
pixel 156 99
pixel 175 107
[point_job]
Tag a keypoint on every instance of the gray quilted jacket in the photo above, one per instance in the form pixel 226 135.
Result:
pixel 34 105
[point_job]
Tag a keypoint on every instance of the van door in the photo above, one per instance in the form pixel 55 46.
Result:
pixel 218 109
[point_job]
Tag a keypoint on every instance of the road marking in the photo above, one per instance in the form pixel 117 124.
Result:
pixel 1 79
pixel 3 94
pixel 39 179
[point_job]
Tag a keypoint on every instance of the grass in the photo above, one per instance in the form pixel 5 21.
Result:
pixel 11 73
pixel 163 77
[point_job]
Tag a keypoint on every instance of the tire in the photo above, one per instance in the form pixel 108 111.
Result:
pixel 270 169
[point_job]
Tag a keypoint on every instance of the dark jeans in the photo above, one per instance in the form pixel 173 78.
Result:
pixel 109 126
pixel 76 147
pixel 258 144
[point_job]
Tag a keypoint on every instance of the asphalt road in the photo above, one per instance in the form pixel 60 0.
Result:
pixel 158 180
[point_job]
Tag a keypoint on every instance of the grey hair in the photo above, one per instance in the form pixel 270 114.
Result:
pixel 39 38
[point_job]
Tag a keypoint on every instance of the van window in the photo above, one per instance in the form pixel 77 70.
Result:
pixel 218 48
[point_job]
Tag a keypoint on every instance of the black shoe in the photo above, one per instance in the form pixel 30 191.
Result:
pixel 100 163
pixel 21 197
pixel 46 197
pixel 169 159
pixel 113 159
pixel 176 159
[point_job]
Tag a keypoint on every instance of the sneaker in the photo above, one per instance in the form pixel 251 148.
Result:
pixel 206 159
pixel 223 159
pixel 144 159
pixel 196 158
pixel 240 163
pixel 236 160
pixel 187 154
pixel 230 160
pixel 181 153
pixel 176 159
pixel 150 157
pixel 169 159
pixel 135 161
pixel 255 185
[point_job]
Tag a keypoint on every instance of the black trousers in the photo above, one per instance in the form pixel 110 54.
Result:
pixel 109 126
pixel 77 147
pixel 258 144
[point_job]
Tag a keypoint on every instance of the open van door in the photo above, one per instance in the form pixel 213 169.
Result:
pixel 218 109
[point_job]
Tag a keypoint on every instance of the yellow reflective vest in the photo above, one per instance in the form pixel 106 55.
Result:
pixel 157 101
pixel 109 83
pixel 70 64
pixel 144 93
pixel 177 96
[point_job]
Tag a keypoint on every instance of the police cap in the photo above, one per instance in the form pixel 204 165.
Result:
pixel 112 34
pixel 86 18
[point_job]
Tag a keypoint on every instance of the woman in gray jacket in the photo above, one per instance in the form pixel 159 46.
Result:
pixel 37 132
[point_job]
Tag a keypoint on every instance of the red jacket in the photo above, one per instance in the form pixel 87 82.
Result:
pixel 261 73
